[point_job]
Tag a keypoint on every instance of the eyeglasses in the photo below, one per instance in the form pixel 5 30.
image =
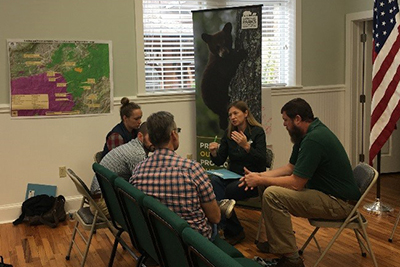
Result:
pixel 178 130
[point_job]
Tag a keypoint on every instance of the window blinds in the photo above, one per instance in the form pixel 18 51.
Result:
pixel 169 49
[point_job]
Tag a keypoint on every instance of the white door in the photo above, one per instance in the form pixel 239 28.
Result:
pixel 390 152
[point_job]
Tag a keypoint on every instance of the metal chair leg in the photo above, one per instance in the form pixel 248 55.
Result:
pixel 72 241
pixel 92 230
pixel 260 222
pixel 360 243
pixel 394 228
pixel 329 245
pixel 368 244
pixel 301 251
pixel 114 250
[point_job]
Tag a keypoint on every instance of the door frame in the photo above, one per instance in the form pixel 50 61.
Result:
pixel 353 78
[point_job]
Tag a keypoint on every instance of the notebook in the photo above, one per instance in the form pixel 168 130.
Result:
pixel 40 189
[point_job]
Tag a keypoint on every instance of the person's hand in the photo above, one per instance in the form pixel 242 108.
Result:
pixel 240 138
pixel 249 180
pixel 213 147
pixel 252 179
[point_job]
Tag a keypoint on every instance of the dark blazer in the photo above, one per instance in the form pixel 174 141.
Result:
pixel 255 160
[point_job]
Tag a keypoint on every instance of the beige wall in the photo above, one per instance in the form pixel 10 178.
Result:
pixel 323 42
pixel 72 20
pixel 323 39
pixel 33 149
pixel 358 5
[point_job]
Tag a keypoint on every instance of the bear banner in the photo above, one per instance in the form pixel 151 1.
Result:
pixel 227 45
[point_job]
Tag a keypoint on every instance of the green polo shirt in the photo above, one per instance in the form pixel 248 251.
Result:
pixel 321 158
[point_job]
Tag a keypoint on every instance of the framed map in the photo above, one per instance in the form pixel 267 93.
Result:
pixel 55 77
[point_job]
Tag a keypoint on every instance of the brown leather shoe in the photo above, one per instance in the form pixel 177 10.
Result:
pixel 233 240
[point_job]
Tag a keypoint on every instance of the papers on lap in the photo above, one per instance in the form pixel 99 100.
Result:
pixel 224 174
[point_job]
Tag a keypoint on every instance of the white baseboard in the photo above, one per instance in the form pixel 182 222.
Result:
pixel 11 212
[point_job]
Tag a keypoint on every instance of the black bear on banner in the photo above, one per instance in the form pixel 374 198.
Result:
pixel 222 64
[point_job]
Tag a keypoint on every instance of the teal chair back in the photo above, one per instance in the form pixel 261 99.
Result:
pixel 131 200
pixel 167 228
pixel 203 253
pixel 106 180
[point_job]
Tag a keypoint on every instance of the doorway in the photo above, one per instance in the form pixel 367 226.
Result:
pixel 361 98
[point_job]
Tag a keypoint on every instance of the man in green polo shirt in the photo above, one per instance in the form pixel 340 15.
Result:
pixel 317 182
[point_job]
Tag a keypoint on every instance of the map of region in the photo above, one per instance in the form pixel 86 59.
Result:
pixel 53 78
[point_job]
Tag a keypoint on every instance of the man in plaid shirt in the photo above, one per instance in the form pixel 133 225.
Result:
pixel 181 184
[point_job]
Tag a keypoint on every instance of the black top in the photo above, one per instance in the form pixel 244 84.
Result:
pixel 255 160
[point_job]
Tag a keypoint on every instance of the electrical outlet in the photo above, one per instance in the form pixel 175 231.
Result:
pixel 62 171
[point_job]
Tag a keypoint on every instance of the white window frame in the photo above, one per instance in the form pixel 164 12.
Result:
pixel 294 80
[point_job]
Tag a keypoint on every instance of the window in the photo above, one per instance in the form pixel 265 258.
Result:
pixel 168 42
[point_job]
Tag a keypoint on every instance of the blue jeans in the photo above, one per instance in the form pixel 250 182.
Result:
pixel 228 188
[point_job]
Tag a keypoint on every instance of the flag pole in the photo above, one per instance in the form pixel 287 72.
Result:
pixel 378 207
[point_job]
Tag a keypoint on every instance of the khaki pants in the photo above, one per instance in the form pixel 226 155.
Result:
pixel 102 205
pixel 279 203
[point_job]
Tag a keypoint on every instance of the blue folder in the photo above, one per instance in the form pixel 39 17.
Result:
pixel 40 189
pixel 224 174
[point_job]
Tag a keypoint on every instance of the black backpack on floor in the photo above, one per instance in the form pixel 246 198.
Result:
pixel 42 209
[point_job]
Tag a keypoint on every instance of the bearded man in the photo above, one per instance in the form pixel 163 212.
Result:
pixel 317 182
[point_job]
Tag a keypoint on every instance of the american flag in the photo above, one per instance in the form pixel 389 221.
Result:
pixel 385 105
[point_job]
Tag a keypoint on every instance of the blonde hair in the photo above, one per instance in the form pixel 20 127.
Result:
pixel 241 105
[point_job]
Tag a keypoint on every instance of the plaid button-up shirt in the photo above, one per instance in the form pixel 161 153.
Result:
pixel 181 184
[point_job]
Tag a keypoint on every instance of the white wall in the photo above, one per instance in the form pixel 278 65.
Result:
pixel 33 149
pixel 327 103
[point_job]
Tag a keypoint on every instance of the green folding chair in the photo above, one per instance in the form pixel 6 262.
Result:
pixel 167 228
pixel 203 253
pixel 131 200
pixel 106 180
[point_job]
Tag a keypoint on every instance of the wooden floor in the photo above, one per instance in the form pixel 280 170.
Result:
pixel 42 246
